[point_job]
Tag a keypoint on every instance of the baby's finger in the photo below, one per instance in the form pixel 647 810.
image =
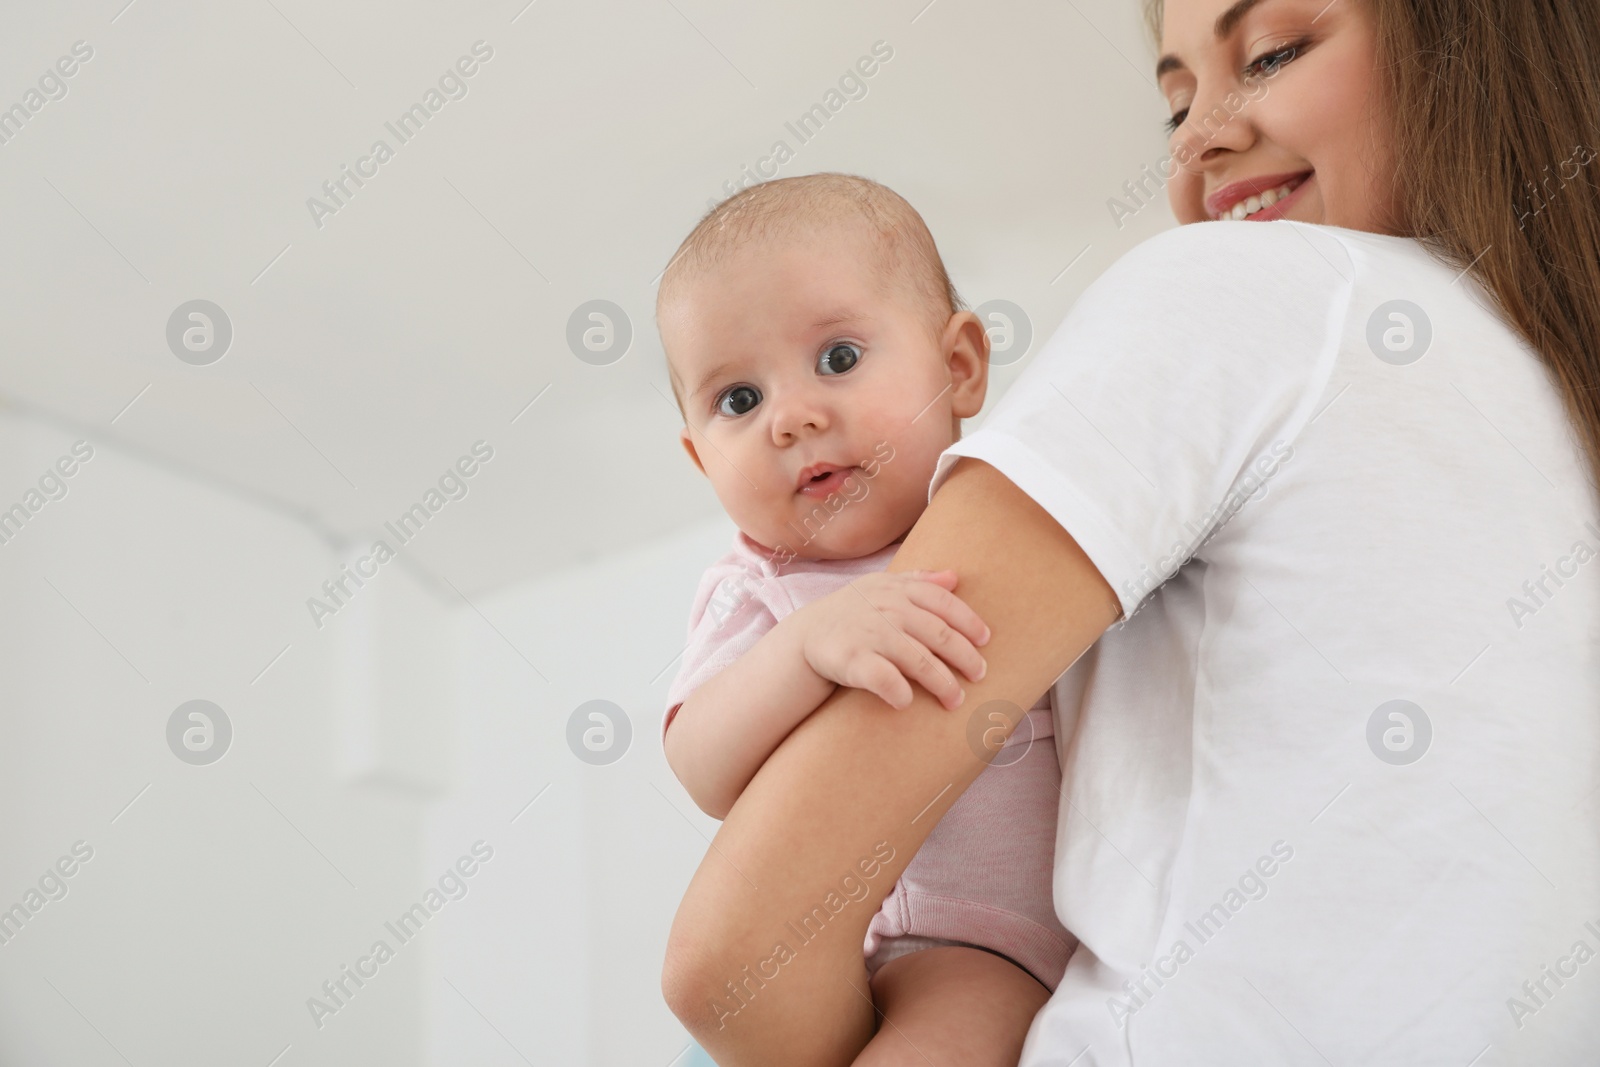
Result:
pixel 917 663
pixel 944 641
pixel 945 579
pixel 951 609
pixel 881 678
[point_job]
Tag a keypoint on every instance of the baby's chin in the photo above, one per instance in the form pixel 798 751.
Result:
pixel 828 543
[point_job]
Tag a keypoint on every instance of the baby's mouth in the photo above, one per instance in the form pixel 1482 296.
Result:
pixel 827 483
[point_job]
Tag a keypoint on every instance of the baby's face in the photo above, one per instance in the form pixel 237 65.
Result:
pixel 795 356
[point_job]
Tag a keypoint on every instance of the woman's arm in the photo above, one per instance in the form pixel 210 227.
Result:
pixel 764 960
pixel 727 727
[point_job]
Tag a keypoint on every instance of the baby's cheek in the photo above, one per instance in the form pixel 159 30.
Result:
pixel 902 497
pixel 740 504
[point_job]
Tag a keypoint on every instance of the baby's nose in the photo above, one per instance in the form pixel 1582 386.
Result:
pixel 799 416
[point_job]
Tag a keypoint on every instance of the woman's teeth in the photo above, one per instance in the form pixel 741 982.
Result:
pixel 1249 206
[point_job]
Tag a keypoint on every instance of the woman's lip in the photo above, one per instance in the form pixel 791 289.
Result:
pixel 1232 194
pixel 829 485
pixel 1279 209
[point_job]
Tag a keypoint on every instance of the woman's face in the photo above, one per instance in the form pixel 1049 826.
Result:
pixel 1268 94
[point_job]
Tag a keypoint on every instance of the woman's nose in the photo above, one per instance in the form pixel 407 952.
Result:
pixel 1217 119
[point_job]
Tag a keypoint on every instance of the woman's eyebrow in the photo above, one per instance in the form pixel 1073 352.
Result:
pixel 1225 25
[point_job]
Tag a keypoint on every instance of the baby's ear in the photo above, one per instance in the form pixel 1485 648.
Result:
pixel 688 446
pixel 966 346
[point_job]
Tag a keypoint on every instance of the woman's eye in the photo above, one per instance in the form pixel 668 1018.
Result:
pixel 1266 65
pixel 738 400
pixel 1270 63
pixel 839 358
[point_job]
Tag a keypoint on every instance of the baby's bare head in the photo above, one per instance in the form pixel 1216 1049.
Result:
pixel 905 261
pixel 813 337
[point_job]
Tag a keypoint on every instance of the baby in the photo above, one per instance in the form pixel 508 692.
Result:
pixel 822 361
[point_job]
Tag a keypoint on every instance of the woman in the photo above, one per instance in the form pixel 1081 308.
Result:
pixel 1331 781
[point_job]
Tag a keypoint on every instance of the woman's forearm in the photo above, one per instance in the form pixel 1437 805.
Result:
pixel 764 961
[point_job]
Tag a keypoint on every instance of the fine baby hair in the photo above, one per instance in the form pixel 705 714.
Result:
pixel 785 207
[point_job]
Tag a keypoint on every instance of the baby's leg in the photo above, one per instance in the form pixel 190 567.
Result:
pixel 951 1006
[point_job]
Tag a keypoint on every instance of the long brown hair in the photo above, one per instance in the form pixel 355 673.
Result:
pixel 1496 124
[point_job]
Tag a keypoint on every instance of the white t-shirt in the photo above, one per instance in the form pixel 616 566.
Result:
pixel 1357 491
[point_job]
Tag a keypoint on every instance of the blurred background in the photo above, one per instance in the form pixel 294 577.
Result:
pixel 241 345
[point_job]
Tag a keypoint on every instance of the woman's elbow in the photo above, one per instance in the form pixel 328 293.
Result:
pixel 687 984
pixel 678 989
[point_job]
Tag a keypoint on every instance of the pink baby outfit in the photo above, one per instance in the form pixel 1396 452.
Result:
pixel 983 877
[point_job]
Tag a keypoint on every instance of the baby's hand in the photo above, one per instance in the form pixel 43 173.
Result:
pixel 885 628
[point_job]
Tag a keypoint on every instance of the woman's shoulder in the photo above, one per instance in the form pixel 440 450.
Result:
pixel 1211 282
pixel 1215 253
pixel 1209 278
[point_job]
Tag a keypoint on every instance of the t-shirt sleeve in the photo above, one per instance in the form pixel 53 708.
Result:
pixel 1193 362
pixel 729 616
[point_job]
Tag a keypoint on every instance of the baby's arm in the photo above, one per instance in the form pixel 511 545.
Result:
pixel 730 724
pixel 874 634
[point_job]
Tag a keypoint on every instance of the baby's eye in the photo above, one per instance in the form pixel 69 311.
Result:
pixel 839 358
pixel 738 400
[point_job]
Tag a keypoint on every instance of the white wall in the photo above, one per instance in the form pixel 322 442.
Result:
pixel 364 763
pixel 578 914
pixel 218 897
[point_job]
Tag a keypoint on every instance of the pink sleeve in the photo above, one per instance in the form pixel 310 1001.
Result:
pixel 728 618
